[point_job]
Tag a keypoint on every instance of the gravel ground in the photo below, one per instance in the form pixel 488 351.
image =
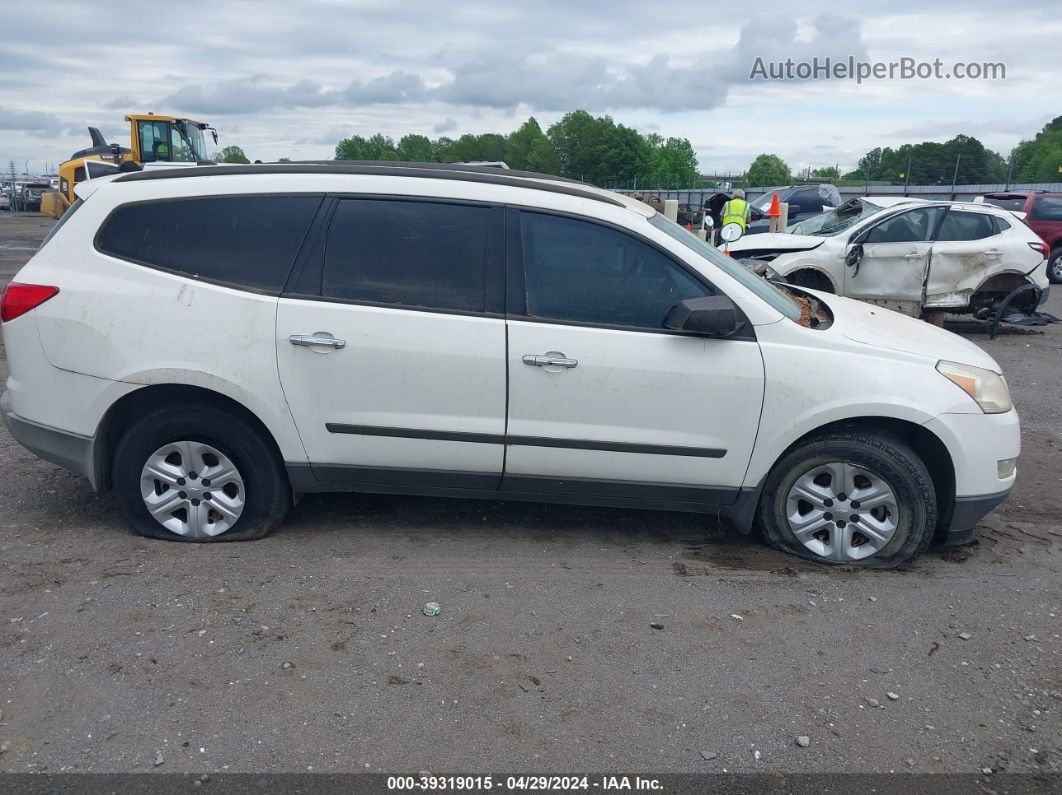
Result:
pixel 308 650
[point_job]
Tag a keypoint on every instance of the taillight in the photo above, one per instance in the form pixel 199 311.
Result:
pixel 21 298
pixel 1042 247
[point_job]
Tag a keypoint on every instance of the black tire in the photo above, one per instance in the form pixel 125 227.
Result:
pixel 1054 266
pixel 813 280
pixel 268 492
pixel 879 451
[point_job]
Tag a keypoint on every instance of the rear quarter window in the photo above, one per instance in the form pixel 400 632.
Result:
pixel 244 241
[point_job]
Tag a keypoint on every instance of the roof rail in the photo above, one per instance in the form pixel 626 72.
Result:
pixel 390 168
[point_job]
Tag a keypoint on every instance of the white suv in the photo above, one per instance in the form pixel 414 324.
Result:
pixel 209 342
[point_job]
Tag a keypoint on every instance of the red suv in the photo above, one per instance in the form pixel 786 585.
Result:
pixel 1043 212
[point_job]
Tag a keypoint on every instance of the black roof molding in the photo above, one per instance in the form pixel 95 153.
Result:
pixel 390 168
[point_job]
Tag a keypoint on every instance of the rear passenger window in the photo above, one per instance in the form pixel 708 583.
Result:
pixel 248 241
pixel 408 253
pixel 1046 210
pixel 966 226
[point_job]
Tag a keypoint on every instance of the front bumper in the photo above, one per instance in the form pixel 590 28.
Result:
pixel 966 512
pixel 976 444
pixel 69 450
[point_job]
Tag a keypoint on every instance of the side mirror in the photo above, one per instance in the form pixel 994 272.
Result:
pixel 711 316
pixel 755 213
pixel 854 255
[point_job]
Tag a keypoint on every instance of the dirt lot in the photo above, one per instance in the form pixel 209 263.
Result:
pixel 308 650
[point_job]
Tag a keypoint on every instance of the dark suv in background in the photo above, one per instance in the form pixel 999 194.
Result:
pixel 804 201
pixel 1043 213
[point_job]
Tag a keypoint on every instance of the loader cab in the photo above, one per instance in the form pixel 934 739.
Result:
pixel 166 139
pixel 73 172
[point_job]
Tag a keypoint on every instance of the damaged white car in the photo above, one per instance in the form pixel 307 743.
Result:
pixel 911 255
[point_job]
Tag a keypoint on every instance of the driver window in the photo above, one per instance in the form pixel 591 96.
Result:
pixel 583 272
pixel 913 226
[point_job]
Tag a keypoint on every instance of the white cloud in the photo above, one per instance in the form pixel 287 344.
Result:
pixel 282 78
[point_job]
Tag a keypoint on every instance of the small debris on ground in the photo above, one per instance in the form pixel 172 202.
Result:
pixel 965 635
pixel 803 741
pixel 708 755
pixel 432 609
pixel 736 617
pixel 893 696
pixel 158 758
pixel 656 625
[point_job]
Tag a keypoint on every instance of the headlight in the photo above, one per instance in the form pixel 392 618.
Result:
pixel 987 388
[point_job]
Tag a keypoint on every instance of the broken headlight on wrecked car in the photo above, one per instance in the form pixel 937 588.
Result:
pixel 987 388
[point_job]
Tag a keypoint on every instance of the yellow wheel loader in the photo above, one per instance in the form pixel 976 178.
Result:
pixel 152 139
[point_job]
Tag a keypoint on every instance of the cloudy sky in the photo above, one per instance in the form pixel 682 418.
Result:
pixel 291 78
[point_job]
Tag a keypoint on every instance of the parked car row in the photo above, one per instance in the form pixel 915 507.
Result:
pixel 208 342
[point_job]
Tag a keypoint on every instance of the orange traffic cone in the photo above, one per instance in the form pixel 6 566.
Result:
pixel 775 210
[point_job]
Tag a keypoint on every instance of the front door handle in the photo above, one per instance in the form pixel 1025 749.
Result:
pixel 913 255
pixel 993 252
pixel 319 339
pixel 550 361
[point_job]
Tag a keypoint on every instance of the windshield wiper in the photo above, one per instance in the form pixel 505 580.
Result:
pixel 191 146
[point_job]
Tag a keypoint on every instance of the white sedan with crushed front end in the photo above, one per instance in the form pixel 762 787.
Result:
pixel 911 255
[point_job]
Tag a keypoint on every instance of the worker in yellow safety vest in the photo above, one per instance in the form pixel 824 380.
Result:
pixel 736 210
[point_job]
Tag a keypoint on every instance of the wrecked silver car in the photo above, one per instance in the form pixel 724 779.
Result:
pixel 914 256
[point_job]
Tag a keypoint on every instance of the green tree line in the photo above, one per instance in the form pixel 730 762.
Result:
pixel 594 149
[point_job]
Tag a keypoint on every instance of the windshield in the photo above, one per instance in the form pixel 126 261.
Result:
pixel 763 202
pixel 189 145
pixel 761 287
pixel 834 221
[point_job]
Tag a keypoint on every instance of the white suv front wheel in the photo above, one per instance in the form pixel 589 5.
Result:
pixel 850 496
pixel 199 473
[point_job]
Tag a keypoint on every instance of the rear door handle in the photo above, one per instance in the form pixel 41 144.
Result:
pixel 550 361
pixel 994 252
pixel 913 255
pixel 319 339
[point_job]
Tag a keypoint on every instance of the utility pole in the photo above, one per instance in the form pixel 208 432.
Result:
pixel 907 176
pixel 955 176
pixel 1010 167
pixel 14 187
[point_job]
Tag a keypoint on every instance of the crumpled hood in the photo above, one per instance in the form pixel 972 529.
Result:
pixel 777 241
pixel 883 328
